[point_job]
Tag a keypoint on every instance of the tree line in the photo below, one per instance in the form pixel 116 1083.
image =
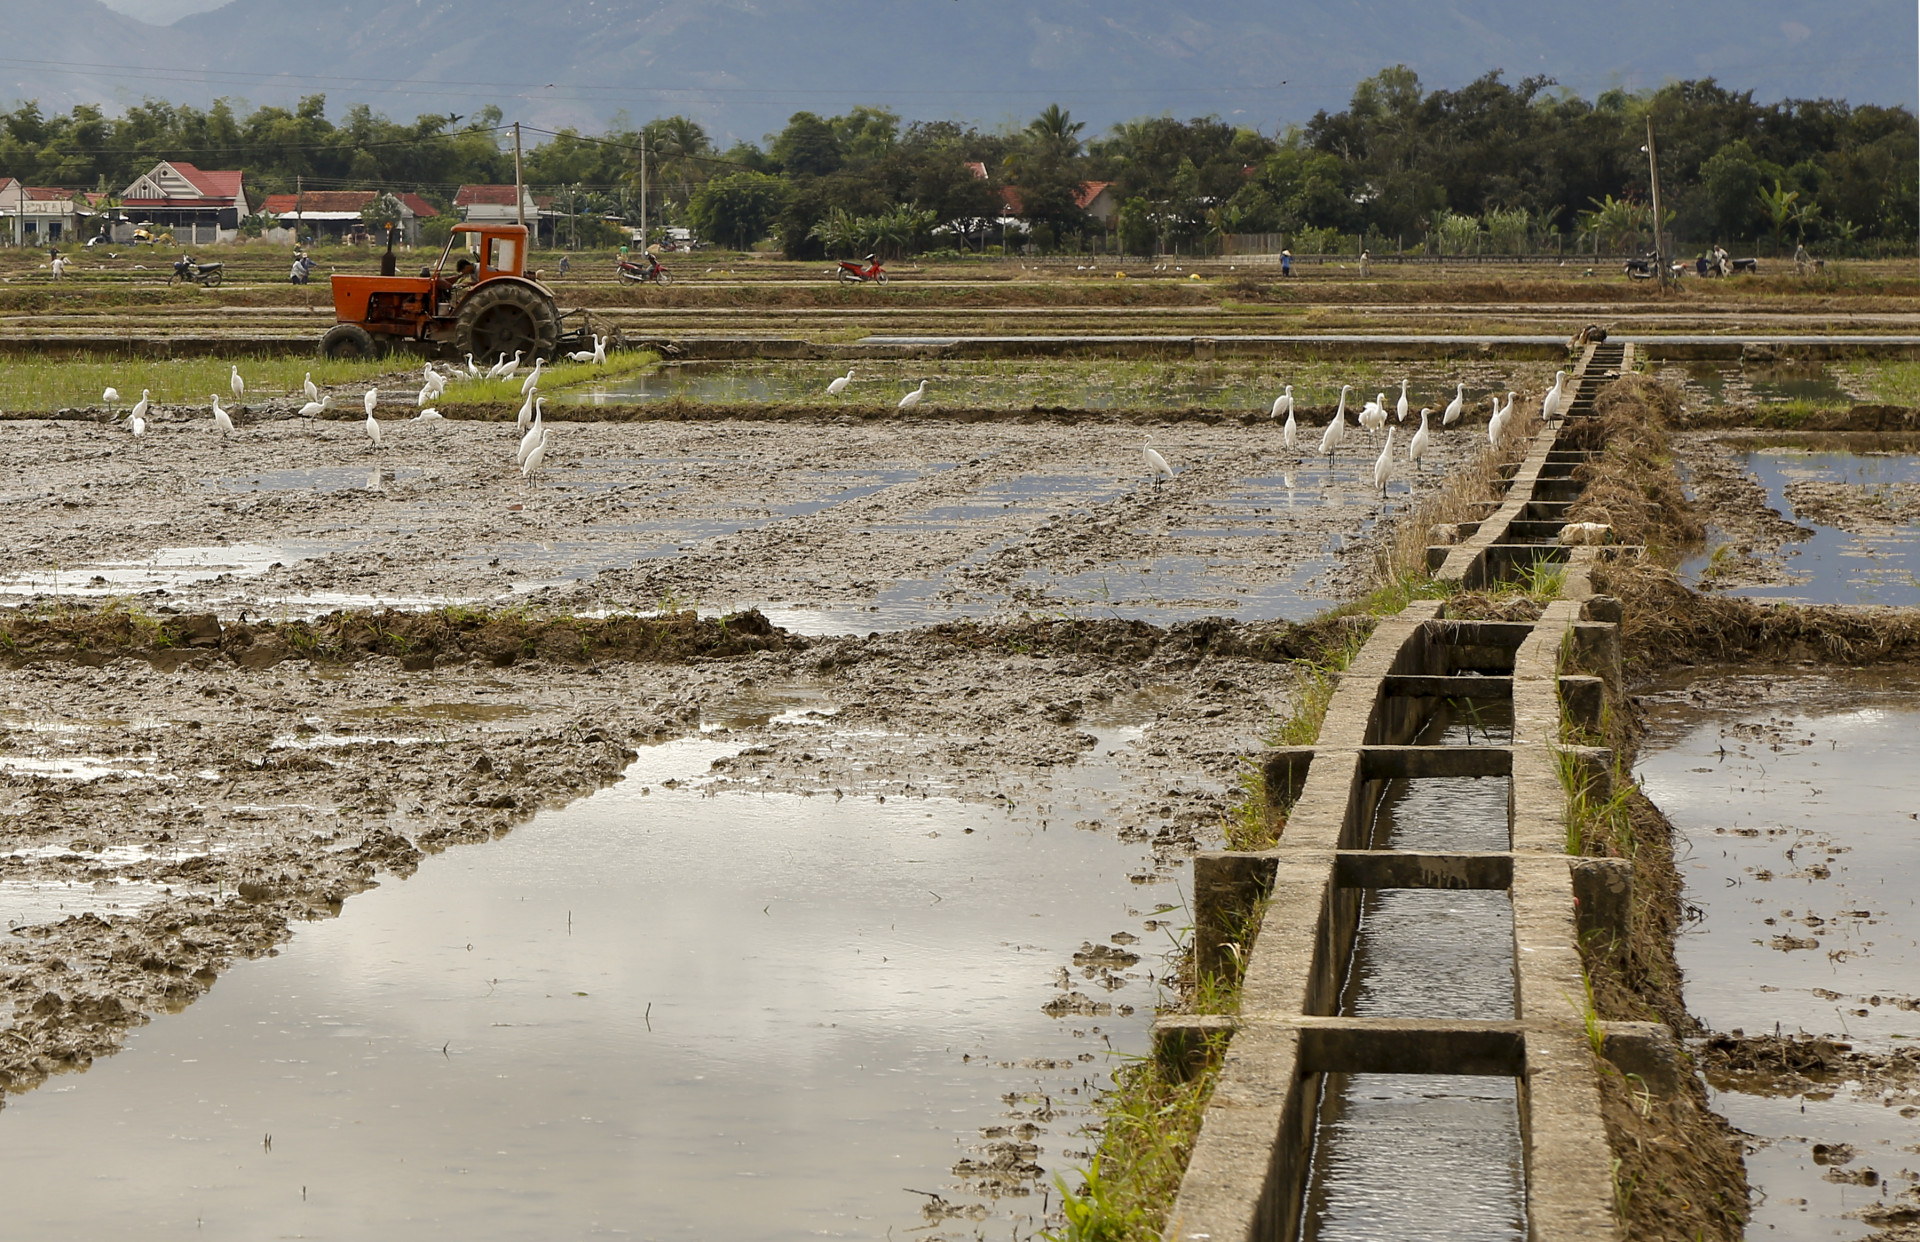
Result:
pixel 1494 166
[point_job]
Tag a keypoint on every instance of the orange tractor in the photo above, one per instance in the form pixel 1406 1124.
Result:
pixel 485 304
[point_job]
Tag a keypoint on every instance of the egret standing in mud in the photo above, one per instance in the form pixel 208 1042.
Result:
pixel 536 434
pixel 1337 429
pixel 840 385
pixel 1283 404
pixel 1401 407
pixel 373 424
pixel 915 397
pixel 1456 407
pixel 313 390
pixel 221 422
pixel 140 406
pixel 1155 463
pixel 1417 448
pixel 312 408
pixel 111 395
pixel 535 459
pixel 1383 465
pixel 238 385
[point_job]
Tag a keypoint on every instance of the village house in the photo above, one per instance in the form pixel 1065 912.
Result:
pixel 43 215
pixel 195 205
pixel 334 213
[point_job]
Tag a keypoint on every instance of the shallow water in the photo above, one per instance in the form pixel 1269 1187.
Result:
pixel 1878 563
pixel 662 1011
pixel 1794 796
pixel 1798 832
pixel 1467 814
pixel 1411 1158
pixel 1804 1194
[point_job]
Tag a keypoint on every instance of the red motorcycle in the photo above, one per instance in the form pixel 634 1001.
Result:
pixel 852 273
pixel 645 270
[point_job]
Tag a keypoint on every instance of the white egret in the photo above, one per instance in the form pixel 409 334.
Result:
pixel 1497 425
pixel 428 415
pixel 536 458
pixel 312 389
pixel 915 397
pixel 312 409
pixel 110 396
pixel 221 422
pixel 238 385
pixel 507 371
pixel 1550 404
pixel 373 426
pixel 1156 463
pixel 1287 433
pixel 1417 447
pixel 138 423
pixel 1283 404
pixel 370 400
pixel 473 369
pixel 526 409
pixel 839 385
pixel 140 406
pixel 1383 465
pixel 533 377
pixel 600 349
pixel 1456 407
pixel 534 435
pixel 581 355
pixel 1337 429
pixel 1401 408
pixel 1373 415
pixel 425 395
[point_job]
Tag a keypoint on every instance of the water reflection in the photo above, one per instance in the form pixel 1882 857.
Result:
pixel 661 1011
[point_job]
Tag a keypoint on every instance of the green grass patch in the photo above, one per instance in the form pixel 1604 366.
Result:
pixel 1890 382
pixel 41 383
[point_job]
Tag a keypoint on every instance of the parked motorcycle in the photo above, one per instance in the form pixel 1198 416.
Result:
pixel 207 274
pixel 636 272
pixel 1643 267
pixel 852 273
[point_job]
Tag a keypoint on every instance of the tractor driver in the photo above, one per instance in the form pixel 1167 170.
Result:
pixel 463 270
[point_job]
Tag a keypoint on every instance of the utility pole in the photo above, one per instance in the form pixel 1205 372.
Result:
pixel 643 190
pixel 1653 169
pixel 519 193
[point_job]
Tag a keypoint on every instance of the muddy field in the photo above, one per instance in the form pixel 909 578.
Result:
pixel 815 521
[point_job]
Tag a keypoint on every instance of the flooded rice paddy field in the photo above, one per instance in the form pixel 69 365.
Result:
pixel 839 938
pixel 833 526
pixel 1794 796
pixel 1810 518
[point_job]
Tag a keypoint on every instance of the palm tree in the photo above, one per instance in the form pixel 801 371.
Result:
pixel 1056 125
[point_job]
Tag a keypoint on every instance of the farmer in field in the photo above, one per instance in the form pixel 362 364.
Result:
pixel 1286 262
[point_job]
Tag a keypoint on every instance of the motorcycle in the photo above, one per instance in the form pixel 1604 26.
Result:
pixel 637 273
pixel 852 273
pixel 207 274
pixel 1643 267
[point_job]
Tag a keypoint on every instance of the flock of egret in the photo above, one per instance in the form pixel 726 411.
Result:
pixel 532 453
pixel 531 422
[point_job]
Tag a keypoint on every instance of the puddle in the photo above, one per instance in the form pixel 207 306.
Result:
pixel 1740 385
pixel 27 903
pixel 666 1010
pixel 1410 1158
pixel 451 713
pixel 315 479
pixel 1794 794
pixel 75 767
pixel 167 569
pixel 1864 512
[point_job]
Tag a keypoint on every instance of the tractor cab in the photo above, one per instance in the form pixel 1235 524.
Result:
pixel 480 302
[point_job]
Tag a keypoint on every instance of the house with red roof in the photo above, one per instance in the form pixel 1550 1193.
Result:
pixel 40 215
pixel 1096 198
pixel 333 213
pixel 196 205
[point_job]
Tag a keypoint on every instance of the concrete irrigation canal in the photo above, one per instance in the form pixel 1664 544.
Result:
pixel 785 821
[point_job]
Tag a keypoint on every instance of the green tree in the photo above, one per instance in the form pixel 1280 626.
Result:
pixel 736 210
pixel 1732 182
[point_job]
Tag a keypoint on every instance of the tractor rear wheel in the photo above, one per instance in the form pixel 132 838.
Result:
pixel 348 342
pixel 505 317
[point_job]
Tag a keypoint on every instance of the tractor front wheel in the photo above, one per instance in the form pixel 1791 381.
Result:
pixel 505 317
pixel 348 342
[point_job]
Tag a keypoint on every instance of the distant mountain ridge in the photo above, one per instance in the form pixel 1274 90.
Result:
pixel 742 66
